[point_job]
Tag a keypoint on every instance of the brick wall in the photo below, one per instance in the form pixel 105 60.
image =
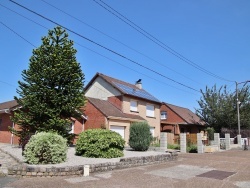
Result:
pixel 95 118
pixel 5 134
pixel 171 116
pixel 116 101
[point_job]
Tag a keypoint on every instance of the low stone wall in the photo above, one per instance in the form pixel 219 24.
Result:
pixel 26 170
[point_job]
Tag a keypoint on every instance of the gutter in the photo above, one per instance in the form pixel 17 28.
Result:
pixel 121 118
pixel 6 111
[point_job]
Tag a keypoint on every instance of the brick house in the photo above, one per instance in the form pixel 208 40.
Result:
pixel 176 120
pixel 111 103
pixel 7 110
pixel 114 104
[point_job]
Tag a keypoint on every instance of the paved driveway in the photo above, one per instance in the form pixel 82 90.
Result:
pixel 223 169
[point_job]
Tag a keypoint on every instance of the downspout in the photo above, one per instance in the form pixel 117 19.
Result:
pixel 12 135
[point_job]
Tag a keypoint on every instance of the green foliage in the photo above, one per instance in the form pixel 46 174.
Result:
pixel 210 133
pixel 140 136
pixel 52 88
pixel 46 148
pixel 174 146
pixel 100 143
pixel 155 142
pixel 218 107
pixel 192 149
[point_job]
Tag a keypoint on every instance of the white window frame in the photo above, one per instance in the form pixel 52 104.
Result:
pixel 164 115
pixel 150 110
pixel 133 106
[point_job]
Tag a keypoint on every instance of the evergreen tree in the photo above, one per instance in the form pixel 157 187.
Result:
pixel 52 88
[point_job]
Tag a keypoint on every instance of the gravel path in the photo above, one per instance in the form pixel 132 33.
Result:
pixel 72 159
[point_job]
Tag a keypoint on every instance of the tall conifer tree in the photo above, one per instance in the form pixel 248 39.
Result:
pixel 52 90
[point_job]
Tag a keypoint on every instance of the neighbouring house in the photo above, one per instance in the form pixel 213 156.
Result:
pixel 114 104
pixel 7 110
pixel 176 120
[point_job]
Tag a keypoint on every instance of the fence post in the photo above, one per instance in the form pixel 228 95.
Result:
pixel 227 141
pixel 163 141
pixel 183 143
pixel 200 148
pixel 217 140
pixel 239 140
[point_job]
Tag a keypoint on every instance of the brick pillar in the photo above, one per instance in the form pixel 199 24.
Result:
pixel 239 140
pixel 183 142
pixel 163 141
pixel 227 141
pixel 217 140
pixel 200 148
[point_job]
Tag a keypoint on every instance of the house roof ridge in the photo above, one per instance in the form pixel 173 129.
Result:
pixel 176 106
pixel 126 87
pixel 118 80
pixel 185 113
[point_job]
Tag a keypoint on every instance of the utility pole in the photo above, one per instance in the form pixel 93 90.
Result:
pixel 238 110
pixel 238 107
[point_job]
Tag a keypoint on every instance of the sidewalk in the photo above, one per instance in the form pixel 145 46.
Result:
pixel 74 164
pixel 226 169
pixel 5 162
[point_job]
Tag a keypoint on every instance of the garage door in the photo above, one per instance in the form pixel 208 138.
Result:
pixel 118 129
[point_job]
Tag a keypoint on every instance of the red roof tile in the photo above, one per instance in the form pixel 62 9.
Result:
pixel 8 104
pixel 109 110
pixel 187 115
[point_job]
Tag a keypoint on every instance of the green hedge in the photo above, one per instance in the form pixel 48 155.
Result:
pixel 140 136
pixel 100 143
pixel 46 148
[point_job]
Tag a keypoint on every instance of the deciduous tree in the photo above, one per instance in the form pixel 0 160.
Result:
pixel 217 107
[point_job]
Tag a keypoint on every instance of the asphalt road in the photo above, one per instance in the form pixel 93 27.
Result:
pixel 225 169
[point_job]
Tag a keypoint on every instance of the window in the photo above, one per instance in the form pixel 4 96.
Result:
pixel 72 127
pixel 133 106
pixel 150 110
pixel 164 115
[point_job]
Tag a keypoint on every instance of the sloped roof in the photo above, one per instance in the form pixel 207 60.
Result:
pixel 126 88
pixel 187 115
pixel 8 104
pixel 109 110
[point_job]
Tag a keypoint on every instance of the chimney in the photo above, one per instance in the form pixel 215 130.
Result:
pixel 138 84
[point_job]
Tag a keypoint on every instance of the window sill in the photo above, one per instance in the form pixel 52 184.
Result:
pixel 151 117
pixel 134 111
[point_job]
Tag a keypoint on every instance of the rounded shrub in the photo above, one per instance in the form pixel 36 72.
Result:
pixel 46 148
pixel 100 143
pixel 140 136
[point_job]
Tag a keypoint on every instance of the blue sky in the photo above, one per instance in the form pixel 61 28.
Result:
pixel 214 34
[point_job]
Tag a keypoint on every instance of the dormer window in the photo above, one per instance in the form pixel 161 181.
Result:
pixel 164 115
pixel 133 106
